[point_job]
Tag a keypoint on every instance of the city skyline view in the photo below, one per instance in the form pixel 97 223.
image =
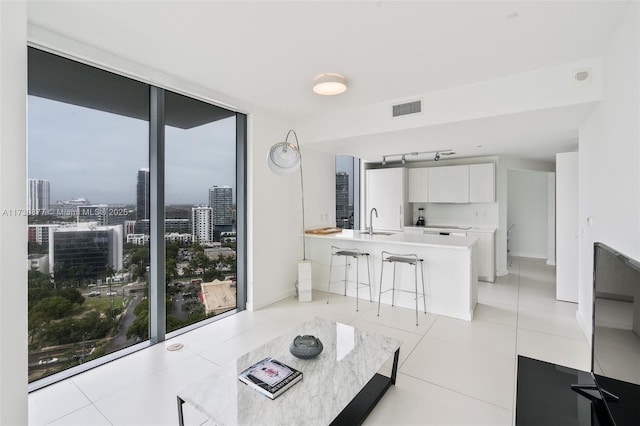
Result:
pixel 83 143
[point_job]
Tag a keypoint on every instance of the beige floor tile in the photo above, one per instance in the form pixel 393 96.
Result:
pixel 415 402
pixel 555 349
pixel 479 374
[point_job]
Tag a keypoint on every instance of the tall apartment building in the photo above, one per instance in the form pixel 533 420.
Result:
pixel 221 201
pixel 202 222
pixel 85 250
pixel 38 196
pixel 142 194
pixel 344 212
pixel 129 227
pixel 39 234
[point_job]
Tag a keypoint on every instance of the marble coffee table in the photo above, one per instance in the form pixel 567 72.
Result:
pixel 339 386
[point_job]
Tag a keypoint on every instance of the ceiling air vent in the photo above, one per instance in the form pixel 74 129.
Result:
pixel 407 108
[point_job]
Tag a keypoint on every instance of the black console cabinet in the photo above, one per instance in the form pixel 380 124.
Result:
pixel 544 397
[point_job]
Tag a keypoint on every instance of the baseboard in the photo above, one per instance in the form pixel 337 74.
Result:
pixel 274 299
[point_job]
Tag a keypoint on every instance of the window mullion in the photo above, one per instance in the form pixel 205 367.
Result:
pixel 157 287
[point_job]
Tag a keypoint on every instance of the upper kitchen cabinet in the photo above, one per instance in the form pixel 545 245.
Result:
pixel 418 185
pixel 448 184
pixel 482 183
pixel 386 191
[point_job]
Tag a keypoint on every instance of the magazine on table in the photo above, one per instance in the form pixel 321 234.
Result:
pixel 270 377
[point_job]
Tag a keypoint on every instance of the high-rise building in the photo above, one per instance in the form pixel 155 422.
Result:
pixel 38 196
pixel 142 195
pixel 343 210
pixel 85 250
pixel 221 201
pixel 39 234
pixel 202 222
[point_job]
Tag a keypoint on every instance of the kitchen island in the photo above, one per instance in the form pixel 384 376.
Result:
pixel 451 276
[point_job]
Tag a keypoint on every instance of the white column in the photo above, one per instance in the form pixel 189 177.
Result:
pixel 13 223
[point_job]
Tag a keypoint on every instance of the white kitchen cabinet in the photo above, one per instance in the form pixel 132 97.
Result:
pixel 448 184
pixel 485 257
pixel 386 190
pixel 418 185
pixel 482 183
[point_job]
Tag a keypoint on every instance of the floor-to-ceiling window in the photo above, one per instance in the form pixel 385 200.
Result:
pixel 200 210
pixel 347 191
pixel 136 214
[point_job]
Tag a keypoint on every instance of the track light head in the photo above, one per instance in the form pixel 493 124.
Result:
pixel 404 160
pixel 384 161
pixel 437 157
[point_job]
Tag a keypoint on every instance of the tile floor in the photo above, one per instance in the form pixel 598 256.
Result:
pixel 450 371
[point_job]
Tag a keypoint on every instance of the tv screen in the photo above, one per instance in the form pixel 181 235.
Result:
pixel 616 315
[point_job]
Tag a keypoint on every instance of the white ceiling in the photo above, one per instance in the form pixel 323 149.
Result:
pixel 268 53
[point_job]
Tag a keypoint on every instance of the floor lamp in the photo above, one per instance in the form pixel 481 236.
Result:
pixel 284 159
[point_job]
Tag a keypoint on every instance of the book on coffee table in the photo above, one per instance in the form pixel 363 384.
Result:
pixel 270 377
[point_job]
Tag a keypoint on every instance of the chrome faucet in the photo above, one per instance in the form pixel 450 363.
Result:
pixel 371 220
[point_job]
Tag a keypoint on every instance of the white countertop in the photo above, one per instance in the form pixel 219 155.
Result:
pixel 443 228
pixel 401 238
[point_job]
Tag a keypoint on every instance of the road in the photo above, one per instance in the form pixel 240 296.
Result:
pixel 120 340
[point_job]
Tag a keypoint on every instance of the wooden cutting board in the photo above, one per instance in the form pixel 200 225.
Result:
pixel 323 231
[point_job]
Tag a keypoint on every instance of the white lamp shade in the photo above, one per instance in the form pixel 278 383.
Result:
pixel 284 158
pixel 329 84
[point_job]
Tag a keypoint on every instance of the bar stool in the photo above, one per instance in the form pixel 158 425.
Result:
pixel 350 253
pixel 409 259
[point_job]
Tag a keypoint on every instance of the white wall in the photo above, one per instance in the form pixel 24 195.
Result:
pixel 527 208
pixel 13 244
pixel 609 160
pixel 274 218
pixel 319 188
pixel 551 218
pixel 567 221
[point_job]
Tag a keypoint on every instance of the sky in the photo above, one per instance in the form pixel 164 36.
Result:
pixel 91 154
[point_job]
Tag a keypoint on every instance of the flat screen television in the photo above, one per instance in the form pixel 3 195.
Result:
pixel 615 328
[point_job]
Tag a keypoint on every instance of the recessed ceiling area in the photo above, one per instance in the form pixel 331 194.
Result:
pixel 267 54
pixel 536 135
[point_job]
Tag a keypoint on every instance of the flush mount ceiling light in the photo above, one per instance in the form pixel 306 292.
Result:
pixel 329 84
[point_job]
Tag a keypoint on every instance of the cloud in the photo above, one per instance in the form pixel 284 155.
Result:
pixel 96 155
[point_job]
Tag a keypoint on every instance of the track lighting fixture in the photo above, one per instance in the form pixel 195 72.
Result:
pixel 403 156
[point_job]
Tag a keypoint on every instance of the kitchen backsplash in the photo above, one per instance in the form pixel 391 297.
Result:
pixel 476 214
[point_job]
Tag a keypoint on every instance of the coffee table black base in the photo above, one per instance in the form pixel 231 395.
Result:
pixel 363 403
pixel 359 408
